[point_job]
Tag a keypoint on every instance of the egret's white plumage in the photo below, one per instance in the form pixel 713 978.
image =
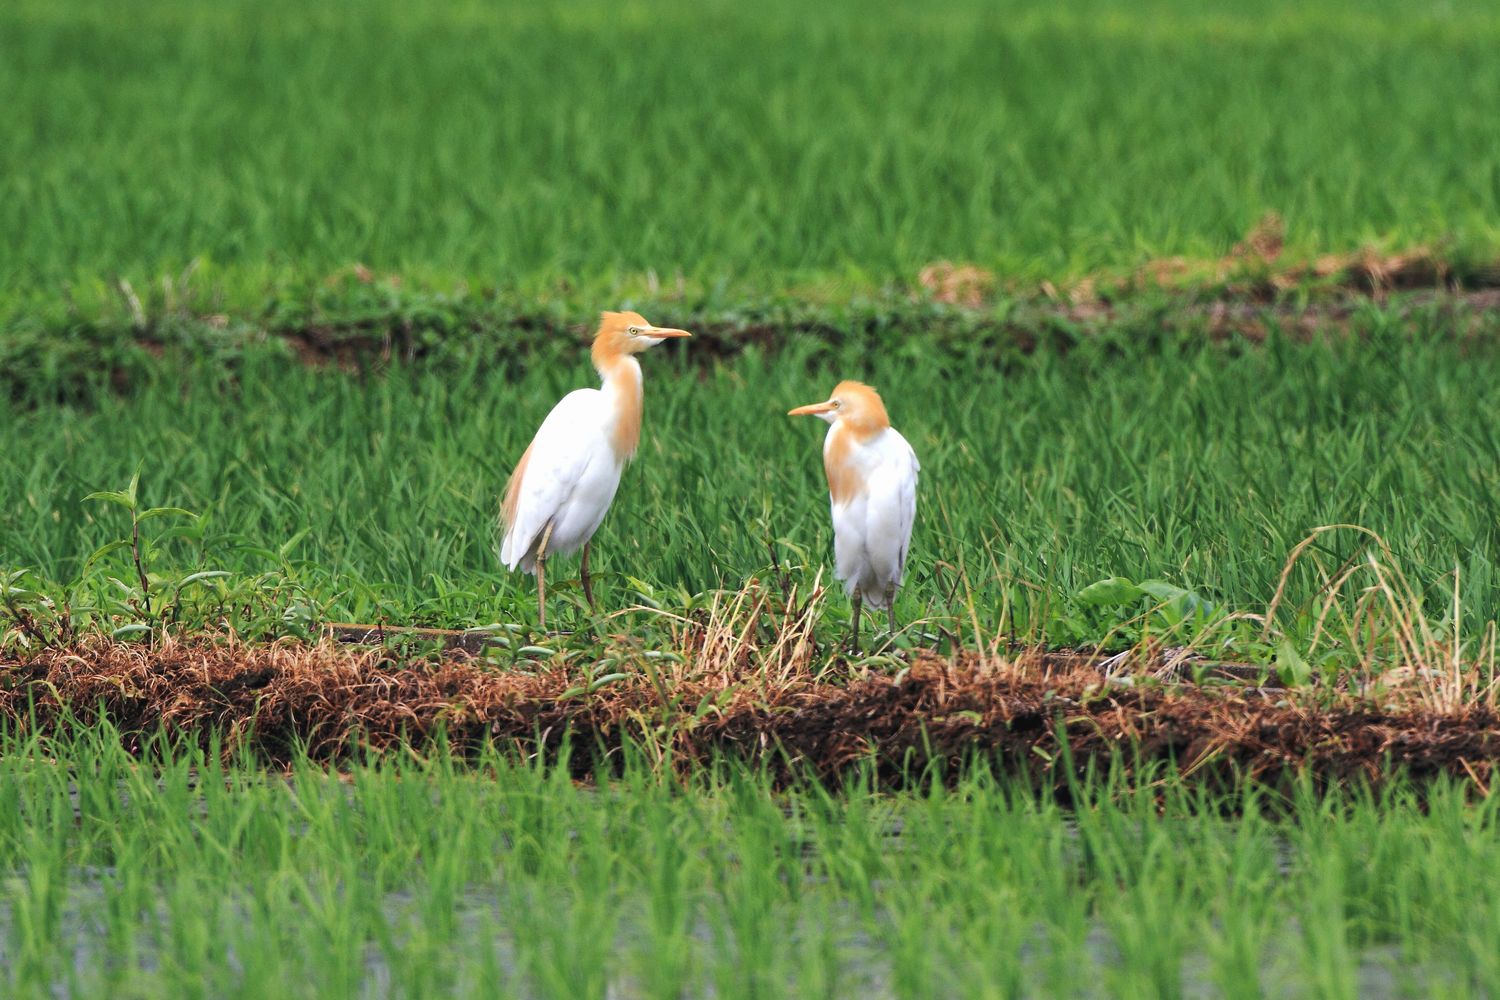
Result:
pixel 570 476
pixel 564 483
pixel 872 488
pixel 872 527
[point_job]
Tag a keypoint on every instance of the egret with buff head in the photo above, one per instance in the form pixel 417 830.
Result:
pixel 564 483
pixel 872 488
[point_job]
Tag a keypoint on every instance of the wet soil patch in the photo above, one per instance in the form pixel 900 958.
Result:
pixel 1051 717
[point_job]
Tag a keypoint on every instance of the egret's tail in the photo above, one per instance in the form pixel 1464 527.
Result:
pixel 514 555
pixel 512 552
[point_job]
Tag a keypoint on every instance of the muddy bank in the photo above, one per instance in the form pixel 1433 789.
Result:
pixel 338 701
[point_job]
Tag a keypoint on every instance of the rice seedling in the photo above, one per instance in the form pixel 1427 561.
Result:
pixel 288 286
pixel 569 152
pixel 1111 496
pixel 174 871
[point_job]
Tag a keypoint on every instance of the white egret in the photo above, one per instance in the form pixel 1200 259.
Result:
pixel 872 488
pixel 564 483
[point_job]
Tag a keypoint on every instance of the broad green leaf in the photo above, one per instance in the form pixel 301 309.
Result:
pixel 105 550
pixel 1109 593
pixel 113 496
pixel 1291 668
pixel 291 543
pixel 199 577
pixel 1164 591
pixel 146 515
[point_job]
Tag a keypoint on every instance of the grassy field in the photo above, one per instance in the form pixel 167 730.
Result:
pixel 374 498
pixel 420 878
pixel 565 151
pixel 180 179
pixel 287 287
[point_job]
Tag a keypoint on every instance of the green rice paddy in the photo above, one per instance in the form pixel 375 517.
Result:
pixel 566 150
pixel 305 270
pixel 375 498
pixel 421 878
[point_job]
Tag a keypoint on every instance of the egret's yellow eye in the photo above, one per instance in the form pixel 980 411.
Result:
pixel 635 331
pixel 837 403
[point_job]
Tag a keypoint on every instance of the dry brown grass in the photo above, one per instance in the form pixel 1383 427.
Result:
pixel 1254 268
pixel 957 284
pixel 1393 647
pixel 744 675
pixel 1255 271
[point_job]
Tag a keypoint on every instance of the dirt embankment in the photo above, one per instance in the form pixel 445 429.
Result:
pixel 357 320
pixel 1044 717
pixel 1251 293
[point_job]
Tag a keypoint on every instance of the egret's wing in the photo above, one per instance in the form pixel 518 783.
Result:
pixel 891 509
pixel 548 472
pixel 849 556
pixel 909 467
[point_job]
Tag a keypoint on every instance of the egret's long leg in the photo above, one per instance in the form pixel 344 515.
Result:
pixel 890 607
pixel 588 584
pixel 541 578
pixel 859 601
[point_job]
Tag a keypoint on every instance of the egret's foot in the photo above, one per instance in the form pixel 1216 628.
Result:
pixel 541 577
pixel 859 603
pixel 587 580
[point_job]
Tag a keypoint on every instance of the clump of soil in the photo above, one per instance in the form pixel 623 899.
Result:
pixel 1035 714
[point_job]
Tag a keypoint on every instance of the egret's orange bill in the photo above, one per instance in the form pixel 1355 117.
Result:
pixel 665 331
pixel 810 409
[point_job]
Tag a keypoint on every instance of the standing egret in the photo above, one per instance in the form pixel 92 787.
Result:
pixel 565 480
pixel 872 486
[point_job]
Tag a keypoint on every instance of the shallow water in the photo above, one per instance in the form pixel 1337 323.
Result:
pixel 490 922
pixel 484 920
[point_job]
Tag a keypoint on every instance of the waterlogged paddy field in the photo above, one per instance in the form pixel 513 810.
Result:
pixel 425 878
pixel 180 173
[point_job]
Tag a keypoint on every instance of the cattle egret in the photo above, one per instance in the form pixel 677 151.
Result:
pixel 872 486
pixel 565 480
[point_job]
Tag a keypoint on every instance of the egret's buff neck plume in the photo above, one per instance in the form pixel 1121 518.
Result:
pixel 858 416
pixel 621 336
pixel 621 376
